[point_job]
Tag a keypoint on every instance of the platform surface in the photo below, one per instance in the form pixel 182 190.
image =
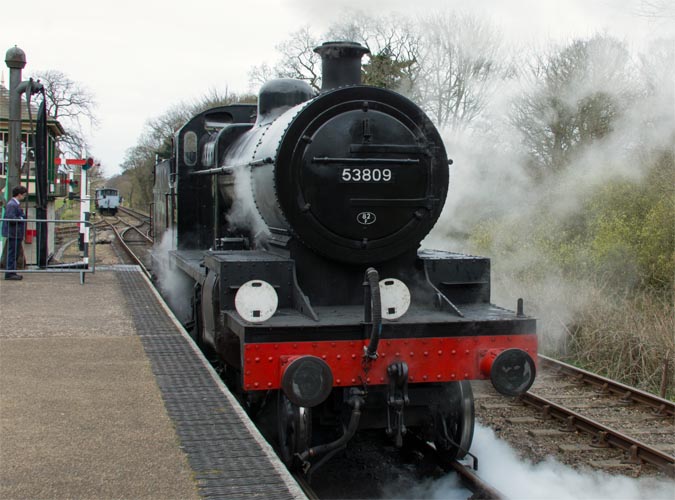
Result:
pixel 102 395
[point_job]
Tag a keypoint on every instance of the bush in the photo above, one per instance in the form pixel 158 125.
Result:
pixel 630 230
pixel 599 280
pixel 623 235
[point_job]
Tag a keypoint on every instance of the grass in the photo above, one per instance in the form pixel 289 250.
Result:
pixel 625 333
pixel 67 209
pixel 627 337
pixel 630 339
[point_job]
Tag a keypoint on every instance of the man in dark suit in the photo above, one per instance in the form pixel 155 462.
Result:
pixel 14 230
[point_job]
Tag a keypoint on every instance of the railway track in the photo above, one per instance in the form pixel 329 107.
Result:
pixel 306 487
pixel 465 472
pixel 612 414
pixel 140 216
pixel 126 232
pixel 584 419
pixel 376 469
pixel 576 416
pixel 131 238
pixel 130 243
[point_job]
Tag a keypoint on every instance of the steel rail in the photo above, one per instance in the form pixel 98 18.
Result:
pixel 129 252
pixel 604 436
pixel 660 405
pixel 305 486
pixel 142 218
pixel 138 215
pixel 135 228
pixel 467 476
pixel 73 228
pixel 470 479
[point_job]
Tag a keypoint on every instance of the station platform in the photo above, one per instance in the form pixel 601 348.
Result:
pixel 104 395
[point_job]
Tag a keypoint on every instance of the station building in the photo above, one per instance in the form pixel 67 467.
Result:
pixel 57 186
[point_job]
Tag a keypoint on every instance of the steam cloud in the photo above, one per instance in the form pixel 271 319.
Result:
pixel 501 467
pixel 173 284
pixel 244 215
pixel 489 181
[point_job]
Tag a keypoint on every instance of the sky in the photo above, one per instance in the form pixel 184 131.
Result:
pixel 142 57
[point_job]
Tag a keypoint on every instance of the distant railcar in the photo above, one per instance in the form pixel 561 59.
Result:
pixel 107 201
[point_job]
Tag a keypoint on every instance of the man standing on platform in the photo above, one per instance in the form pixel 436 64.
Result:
pixel 14 230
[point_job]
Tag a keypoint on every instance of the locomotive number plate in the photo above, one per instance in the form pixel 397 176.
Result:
pixel 366 175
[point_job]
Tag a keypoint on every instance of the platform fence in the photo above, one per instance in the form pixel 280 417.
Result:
pixel 51 246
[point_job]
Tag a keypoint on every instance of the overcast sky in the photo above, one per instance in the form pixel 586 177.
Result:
pixel 141 57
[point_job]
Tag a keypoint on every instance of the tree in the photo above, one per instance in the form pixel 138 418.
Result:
pixel 260 74
pixel 383 70
pixel 656 9
pixel 70 103
pixel 298 60
pixel 575 97
pixel 655 115
pixel 137 167
pixel 394 44
pixel 156 141
pixel 449 63
pixel 461 60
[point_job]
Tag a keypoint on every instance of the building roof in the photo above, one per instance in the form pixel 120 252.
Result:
pixel 55 128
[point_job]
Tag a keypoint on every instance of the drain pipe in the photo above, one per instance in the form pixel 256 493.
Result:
pixel 372 284
pixel 356 401
pixel 16 61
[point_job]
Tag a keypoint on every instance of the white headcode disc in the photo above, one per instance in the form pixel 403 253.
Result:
pixel 394 297
pixel 256 301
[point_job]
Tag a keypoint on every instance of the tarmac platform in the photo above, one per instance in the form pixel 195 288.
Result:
pixel 104 395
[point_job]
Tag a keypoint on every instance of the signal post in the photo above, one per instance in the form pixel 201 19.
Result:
pixel 85 202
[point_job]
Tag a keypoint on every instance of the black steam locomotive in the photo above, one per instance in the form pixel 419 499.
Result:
pixel 296 226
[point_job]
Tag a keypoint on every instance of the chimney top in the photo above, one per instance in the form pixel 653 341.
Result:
pixel 340 63
pixel 15 58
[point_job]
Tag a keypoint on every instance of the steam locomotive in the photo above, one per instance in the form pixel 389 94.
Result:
pixel 295 226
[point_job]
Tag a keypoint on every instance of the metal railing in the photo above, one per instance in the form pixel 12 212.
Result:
pixel 47 246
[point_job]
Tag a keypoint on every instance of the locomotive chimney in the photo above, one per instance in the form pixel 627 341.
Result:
pixel 340 64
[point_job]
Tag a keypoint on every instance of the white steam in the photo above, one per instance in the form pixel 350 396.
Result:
pixel 243 214
pixel 490 181
pixel 500 466
pixel 174 285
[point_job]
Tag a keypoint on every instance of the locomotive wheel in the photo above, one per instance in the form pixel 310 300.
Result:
pixel 295 429
pixel 454 421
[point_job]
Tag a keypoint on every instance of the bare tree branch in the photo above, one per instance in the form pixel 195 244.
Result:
pixel 156 139
pixel 298 59
pixel 656 9
pixel 461 64
pixel 71 104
